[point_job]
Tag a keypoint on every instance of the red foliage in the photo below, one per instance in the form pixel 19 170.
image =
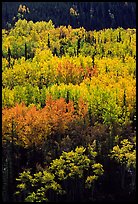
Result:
pixel 28 126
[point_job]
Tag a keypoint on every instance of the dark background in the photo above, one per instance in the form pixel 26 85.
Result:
pixel 91 15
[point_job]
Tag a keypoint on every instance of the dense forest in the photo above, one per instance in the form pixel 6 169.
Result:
pixel 90 15
pixel 68 109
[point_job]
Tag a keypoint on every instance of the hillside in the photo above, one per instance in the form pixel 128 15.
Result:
pixel 68 113
pixel 90 15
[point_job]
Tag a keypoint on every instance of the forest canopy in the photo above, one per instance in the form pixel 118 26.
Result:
pixel 68 103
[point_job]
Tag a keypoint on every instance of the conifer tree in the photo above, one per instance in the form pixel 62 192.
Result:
pixel 9 57
pixel 48 42
pixel 25 52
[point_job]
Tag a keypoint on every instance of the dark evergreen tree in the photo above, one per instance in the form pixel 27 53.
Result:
pixel 48 41
pixel 54 52
pixel 25 52
pixel 78 46
pixel 93 62
pixel 9 57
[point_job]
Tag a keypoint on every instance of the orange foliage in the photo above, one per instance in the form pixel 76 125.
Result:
pixel 28 126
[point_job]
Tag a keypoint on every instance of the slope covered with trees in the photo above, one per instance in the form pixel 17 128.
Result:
pixel 68 113
pixel 90 15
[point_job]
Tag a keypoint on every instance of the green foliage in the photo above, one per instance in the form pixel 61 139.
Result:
pixel 35 187
pixel 70 165
pixel 66 94
pixel 125 154
pixel 73 164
